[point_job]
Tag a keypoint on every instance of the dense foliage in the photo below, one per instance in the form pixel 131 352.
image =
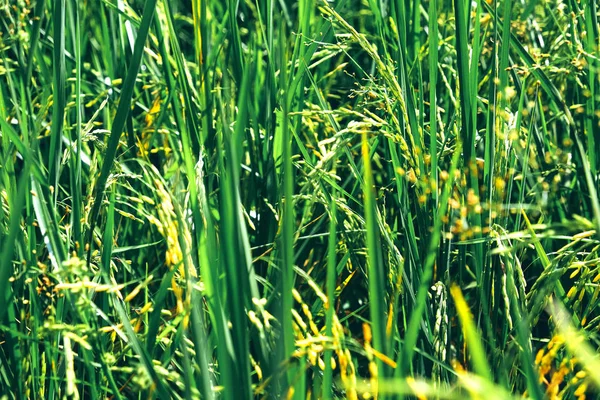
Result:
pixel 299 199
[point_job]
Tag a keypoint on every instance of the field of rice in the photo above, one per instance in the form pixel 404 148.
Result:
pixel 299 199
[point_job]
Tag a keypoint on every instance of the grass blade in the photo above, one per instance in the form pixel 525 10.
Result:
pixel 121 116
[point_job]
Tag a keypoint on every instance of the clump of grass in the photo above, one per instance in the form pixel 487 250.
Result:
pixel 301 199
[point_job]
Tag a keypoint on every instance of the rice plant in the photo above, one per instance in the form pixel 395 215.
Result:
pixel 299 199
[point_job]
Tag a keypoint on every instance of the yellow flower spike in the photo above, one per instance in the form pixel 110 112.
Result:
pixel 580 391
pixel 574 380
pixel 146 308
pixel 297 296
pixel 151 114
pixel 299 320
pixel 306 310
pixel 138 325
pixel 313 327
pixel 135 292
pixel 312 357
pixel 260 303
pixel 383 358
pixel 390 320
pixel 539 356
pixel 178 295
pixel 321 364
pixel 367 334
pixel 347 374
pixel 333 364
pixel 257 368
pixel 318 291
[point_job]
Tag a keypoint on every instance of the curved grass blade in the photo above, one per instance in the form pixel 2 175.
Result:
pixel 471 334
pixel 14 229
pixel 377 286
pixel 238 265
pixel 287 222
pixel 59 93
pixel 331 279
